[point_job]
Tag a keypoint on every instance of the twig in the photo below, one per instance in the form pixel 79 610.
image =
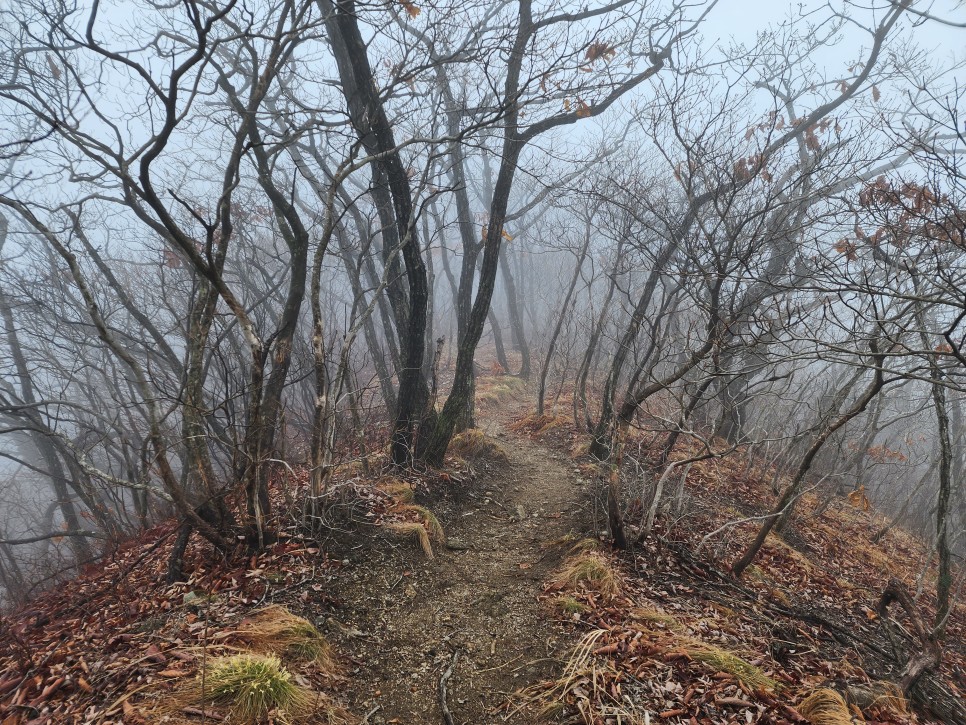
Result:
pixel 499 667
pixel 731 524
pixel 369 714
pixel 204 713
pixel 444 678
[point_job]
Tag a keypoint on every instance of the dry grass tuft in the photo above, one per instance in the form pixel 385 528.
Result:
pixel 584 676
pixel 539 423
pixel 721 660
pixel 487 399
pixel 427 518
pixel 491 391
pixel 400 491
pixel 413 530
pixel 825 707
pixel 433 527
pixel 654 616
pixel 581 448
pixel 589 570
pixel 568 538
pixel 473 443
pixel 275 629
pixel 584 545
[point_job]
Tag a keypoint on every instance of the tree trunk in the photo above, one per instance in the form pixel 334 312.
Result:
pixel 564 307
pixel 368 116
pixel 516 319
pixel 501 357
pixel 794 488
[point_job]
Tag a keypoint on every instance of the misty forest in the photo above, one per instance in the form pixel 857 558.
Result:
pixel 431 361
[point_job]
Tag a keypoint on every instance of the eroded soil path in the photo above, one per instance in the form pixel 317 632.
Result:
pixel 402 617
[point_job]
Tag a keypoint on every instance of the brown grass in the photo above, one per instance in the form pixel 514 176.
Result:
pixel 491 391
pixel 589 570
pixel 825 707
pixel 583 674
pixel 881 697
pixel 473 443
pixel 413 530
pixel 721 660
pixel 569 606
pixel 581 448
pixel 540 423
pixel 276 630
pixel 654 616
pixel 400 491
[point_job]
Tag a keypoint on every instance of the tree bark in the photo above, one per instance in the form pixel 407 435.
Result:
pixel 565 305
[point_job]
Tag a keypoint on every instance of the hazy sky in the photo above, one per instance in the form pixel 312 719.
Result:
pixel 742 19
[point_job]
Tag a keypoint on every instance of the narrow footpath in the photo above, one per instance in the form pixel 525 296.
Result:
pixel 405 620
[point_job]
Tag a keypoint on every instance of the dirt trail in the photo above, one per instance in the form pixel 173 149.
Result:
pixel 402 617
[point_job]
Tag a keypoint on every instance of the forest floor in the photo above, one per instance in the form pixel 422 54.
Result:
pixel 523 614
pixel 475 603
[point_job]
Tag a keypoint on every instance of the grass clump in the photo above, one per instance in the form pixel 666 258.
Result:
pixel 416 531
pixel 276 629
pixel 491 391
pixel 583 686
pixel 590 570
pixel 581 448
pixel 251 687
pixel 433 527
pixel 568 606
pixel 825 707
pixel 473 443
pixel 428 519
pixel 400 491
pixel 487 399
pixel 539 423
pixel 585 545
pixel 724 661
pixel 425 531
pixel 654 616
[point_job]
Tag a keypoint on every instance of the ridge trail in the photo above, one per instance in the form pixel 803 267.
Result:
pixel 402 617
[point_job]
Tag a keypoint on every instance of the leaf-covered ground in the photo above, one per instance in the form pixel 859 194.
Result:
pixel 523 613
pixel 684 641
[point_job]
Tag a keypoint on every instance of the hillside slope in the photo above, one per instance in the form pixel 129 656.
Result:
pixel 522 614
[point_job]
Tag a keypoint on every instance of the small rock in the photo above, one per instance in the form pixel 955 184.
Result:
pixel 454 544
pixel 521 512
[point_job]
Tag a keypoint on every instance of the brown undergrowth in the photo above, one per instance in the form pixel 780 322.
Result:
pixel 117 644
pixel 684 642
